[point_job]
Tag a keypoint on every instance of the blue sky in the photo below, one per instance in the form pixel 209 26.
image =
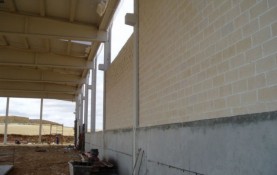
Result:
pixel 63 111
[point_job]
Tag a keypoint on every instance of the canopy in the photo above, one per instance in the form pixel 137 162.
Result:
pixel 47 46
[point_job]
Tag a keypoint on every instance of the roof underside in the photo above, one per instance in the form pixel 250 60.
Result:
pixel 47 46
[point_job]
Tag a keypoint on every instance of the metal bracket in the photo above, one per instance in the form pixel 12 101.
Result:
pixel 130 19
pixel 102 67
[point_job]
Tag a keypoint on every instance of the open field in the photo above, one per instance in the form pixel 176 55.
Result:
pixel 34 139
pixel 33 129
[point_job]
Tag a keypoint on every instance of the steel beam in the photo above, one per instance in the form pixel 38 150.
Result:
pixel 31 75
pixel 73 5
pixel 42 7
pixel 8 57
pixel 35 26
pixel 67 97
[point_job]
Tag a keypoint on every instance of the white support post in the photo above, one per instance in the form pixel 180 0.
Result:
pixel 77 114
pixel 135 84
pixel 107 62
pixel 86 104
pixel 133 20
pixel 6 121
pixel 82 110
pixel 93 96
pixel 40 119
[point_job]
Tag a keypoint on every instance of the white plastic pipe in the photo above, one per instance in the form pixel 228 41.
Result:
pixel 86 105
pixel 135 82
pixel 77 114
pixel 40 119
pixel 93 96
pixel 6 121
pixel 82 110
pixel 107 62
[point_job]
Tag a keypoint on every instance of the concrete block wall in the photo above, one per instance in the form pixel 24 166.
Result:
pixel 119 89
pixel 206 59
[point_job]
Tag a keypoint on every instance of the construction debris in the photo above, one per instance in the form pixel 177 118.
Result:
pixel 91 165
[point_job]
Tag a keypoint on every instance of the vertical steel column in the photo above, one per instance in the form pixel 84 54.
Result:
pixel 86 104
pixel 82 110
pixel 133 20
pixel 107 62
pixel 77 114
pixel 40 120
pixel 136 81
pixel 6 121
pixel 93 95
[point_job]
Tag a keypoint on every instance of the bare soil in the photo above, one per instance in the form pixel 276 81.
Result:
pixel 47 139
pixel 39 160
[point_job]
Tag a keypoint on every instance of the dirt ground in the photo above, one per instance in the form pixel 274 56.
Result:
pixel 39 160
pixel 25 139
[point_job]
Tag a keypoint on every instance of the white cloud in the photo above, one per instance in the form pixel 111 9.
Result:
pixel 53 110
pixel 120 31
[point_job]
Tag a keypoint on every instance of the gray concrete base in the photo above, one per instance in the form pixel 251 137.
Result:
pixel 234 145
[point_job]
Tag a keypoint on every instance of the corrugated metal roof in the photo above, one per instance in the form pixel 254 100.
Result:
pixel 41 55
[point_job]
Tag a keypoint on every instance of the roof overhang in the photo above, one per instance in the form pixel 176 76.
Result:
pixel 47 47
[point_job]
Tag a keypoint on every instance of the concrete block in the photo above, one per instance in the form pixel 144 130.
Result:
pixel 266 64
pixel 239 110
pixel 227 29
pixel 247 71
pixel 242 19
pixel 272 3
pixel 235 36
pixel 258 9
pixel 211 72
pixel 225 90
pixel 249 98
pixel 270 46
pixel 268 17
pixel 261 36
pixel 223 67
pixel 218 81
pixel 271 77
pixel 256 82
pixel 229 52
pixel 213 93
pixel 271 106
pixel 234 100
pixel 226 6
pixel 219 103
pixel 257 108
pixel 253 54
pixel 246 4
pixel 267 94
pixel 250 28
pixel 240 86
pixel 231 76
pixel 243 45
pixel 274 29
pixel 237 60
